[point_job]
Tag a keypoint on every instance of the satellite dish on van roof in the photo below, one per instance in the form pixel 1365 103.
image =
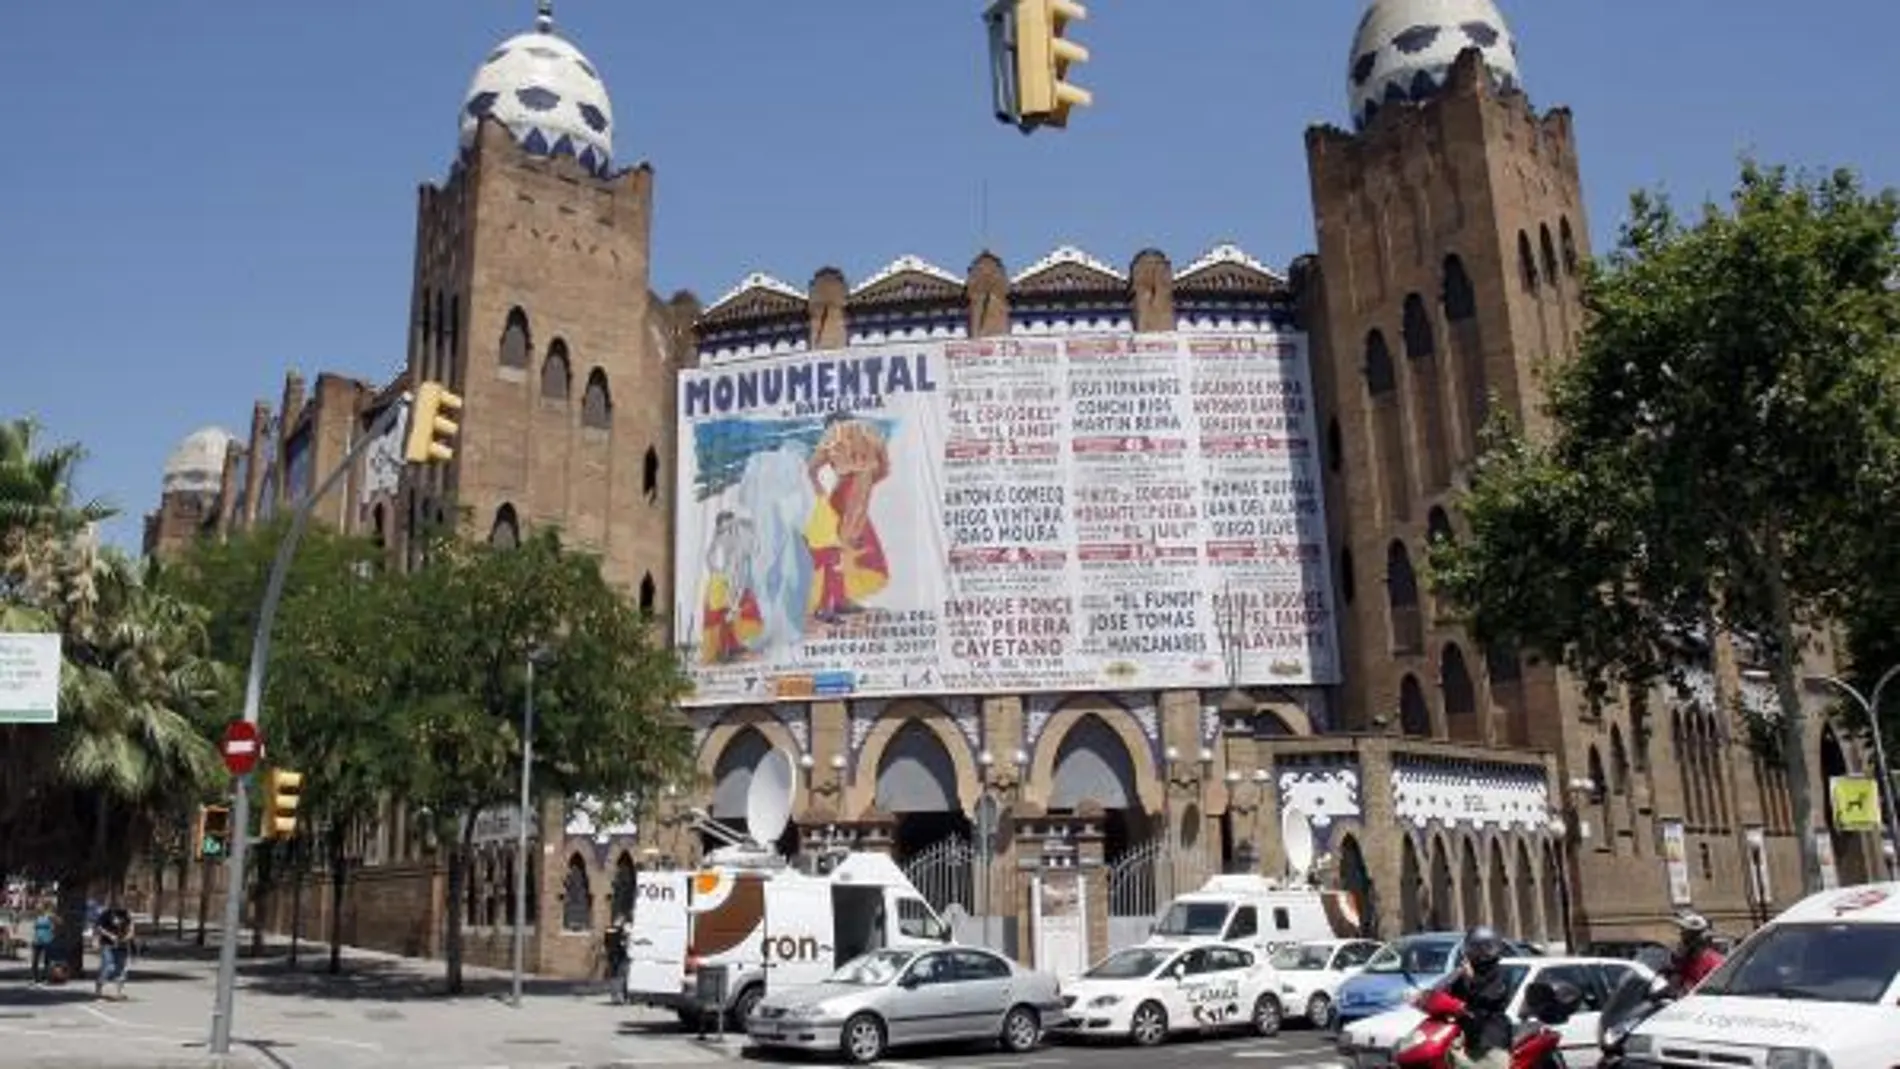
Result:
pixel 768 804
pixel 1297 834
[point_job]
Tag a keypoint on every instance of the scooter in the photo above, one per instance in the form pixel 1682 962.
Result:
pixel 1635 1000
pixel 1535 1045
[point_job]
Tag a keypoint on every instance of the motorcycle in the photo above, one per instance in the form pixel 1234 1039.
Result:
pixel 1534 1046
pixel 1635 1000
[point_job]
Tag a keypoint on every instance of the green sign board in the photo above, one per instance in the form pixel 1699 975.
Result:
pixel 29 679
pixel 213 846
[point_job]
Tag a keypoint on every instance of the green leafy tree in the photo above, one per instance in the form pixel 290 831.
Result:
pixel 1724 451
pixel 330 709
pixel 605 720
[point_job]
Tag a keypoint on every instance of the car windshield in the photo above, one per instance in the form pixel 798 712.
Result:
pixel 1818 961
pixel 1131 964
pixel 875 969
pixel 1415 957
pixel 1298 958
pixel 1193 918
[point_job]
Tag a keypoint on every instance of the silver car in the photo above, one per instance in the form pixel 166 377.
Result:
pixel 891 998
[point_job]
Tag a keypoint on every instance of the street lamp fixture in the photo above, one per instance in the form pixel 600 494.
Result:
pixel 538 654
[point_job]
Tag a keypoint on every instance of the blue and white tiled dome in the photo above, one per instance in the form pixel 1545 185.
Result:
pixel 548 95
pixel 1404 50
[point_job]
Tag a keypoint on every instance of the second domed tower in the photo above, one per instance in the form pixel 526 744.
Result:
pixel 1404 50
pixel 548 95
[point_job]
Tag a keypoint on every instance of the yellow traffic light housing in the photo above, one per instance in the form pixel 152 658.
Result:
pixel 282 789
pixel 434 422
pixel 1031 56
pixel 211 838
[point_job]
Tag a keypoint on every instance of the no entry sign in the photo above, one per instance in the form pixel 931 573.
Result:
pixel 242 747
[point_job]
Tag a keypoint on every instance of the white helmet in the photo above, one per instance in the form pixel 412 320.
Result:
pixel 1692 923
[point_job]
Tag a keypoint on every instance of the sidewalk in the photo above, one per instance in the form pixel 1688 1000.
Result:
pixel 382 1011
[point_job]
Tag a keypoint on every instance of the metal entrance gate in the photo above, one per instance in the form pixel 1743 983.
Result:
pixel 954 877
pixel 1142 881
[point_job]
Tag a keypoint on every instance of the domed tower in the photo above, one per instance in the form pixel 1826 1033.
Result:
pixel 531 299
pixel 191 493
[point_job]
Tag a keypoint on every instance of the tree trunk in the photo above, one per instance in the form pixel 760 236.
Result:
pixel 458 875
pixel 339 883
pixel 260 891
pixel 1794 734
pixel 71 944
pixel 298 861
pixel 158 889
pixel 184 879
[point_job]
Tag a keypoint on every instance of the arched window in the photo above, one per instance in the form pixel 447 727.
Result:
pixel 623 887
pixel 1526 263
pixel 1421 348
pixel 1619 762
pixel 1415 717
pixel 597 405
pixel 648 593
pixel 557 379
pixel 650 474
pixel 1461 302
pixel 516 341
pixel 1569 241
pixel 1335 445
pixel 1549 249
pixel 506 532
pixel 577 898
pixel 1388 426
pixel 452 366
pixel 379 526
pixel 1467 350
pixel 1348 584
pixel 1438 526
pixel 1461 698
pixel 1401 592
pixel 1599 785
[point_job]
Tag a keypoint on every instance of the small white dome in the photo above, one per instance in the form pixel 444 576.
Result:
pixel 197 465
pixel 547 94
pixel 1404 50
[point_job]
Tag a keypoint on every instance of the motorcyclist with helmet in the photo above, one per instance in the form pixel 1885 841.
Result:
pixel 1486 991
pixel 1695 956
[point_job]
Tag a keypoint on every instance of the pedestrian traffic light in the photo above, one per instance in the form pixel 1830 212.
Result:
pixel 212 836
pixel 1030 56
pixel 433 424
pixel 281 790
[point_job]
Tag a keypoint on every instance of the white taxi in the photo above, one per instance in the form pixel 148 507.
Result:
pixel 1147 993
pixel 1310 975
pixel 1818 988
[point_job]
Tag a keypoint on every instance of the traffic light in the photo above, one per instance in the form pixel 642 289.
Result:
pixel 433 424
pixel 211 838
pixel 1030 57
pixel 281 790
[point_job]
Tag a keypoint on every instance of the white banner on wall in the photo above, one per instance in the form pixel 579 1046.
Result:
pixel 1115 512
pixel 1676 863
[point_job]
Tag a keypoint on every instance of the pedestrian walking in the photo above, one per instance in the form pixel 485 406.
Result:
pixel 115 932
pixel 45 930
pixel 616 949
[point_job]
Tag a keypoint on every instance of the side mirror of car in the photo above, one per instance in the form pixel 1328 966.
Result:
pixel 909 981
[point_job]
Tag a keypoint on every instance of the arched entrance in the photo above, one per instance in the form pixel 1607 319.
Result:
pixel 1850 854
pixel 1356 880
pixel 917 784
pixel 1556 917
pixel 732 784
pixel 1501 918
pixel 1411 882
pixel 1093 764
pixel 1528 919
pixel 1441 911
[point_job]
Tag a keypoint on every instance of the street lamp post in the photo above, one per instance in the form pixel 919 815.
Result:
pixel 1883 775
pixel 535 656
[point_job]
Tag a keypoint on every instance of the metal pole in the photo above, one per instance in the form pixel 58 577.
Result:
pixel 221 1005
pixel 1883 775
pixel 521 837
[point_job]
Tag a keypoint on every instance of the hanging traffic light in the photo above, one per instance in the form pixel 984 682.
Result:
pixel 433 424
pixel 211 838
pixel 1030 57
pixel 282 789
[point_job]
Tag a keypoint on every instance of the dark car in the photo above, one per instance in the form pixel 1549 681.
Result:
pixel 1625 949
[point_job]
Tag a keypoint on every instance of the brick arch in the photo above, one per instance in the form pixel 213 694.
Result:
pixel 737 720
pixel 1042 763
pixel 861 796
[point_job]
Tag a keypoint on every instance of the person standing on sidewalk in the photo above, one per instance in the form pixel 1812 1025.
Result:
pixel 616 950
pixel 45 930
pixel 115 932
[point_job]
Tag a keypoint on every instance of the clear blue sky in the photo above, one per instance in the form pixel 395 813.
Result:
pixel 196 196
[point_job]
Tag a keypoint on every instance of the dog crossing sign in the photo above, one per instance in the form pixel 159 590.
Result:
pixel 1856 803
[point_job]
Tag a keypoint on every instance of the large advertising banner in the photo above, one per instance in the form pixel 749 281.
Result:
pixel 1119 512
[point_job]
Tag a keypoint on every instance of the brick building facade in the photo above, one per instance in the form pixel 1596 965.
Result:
pixel 1450 230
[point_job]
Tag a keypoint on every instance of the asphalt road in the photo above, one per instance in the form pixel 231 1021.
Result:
pixel 1295 1048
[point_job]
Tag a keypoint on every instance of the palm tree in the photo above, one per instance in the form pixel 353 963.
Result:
pixel 37 500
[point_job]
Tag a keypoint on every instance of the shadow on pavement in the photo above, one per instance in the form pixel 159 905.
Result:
pixel 394 982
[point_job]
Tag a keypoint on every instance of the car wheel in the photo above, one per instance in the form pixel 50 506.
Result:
pixel 863 1039
pixel 742 1008
pixel 1266 1016
pixel 1022 1030
pixel 1150 1024
pixel 1319 1011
